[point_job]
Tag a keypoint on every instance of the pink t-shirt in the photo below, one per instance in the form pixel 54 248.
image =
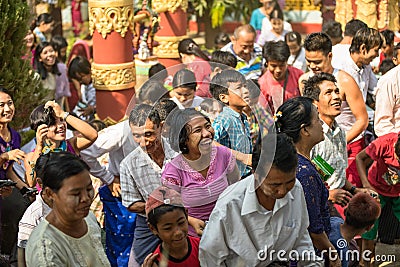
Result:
pixel 202 71
pixel 273 89
pixel 385 165
pixel 200 194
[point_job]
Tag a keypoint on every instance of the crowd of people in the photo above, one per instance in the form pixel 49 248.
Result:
pixel 273 151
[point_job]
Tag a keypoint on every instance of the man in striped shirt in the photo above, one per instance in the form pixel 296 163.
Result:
pixel 247 52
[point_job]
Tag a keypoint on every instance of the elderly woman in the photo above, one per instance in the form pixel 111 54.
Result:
pixel 69 235
pixel 299 119
pixel 202 171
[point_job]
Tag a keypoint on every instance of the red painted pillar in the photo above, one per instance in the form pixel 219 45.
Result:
pixel 173 26
pixel 113 68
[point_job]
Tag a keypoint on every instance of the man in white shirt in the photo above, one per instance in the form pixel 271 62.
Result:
pixel 341 50
pixel 261 219
pixel 387 112
pixel 141 174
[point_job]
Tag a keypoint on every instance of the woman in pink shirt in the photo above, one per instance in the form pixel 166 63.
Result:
pixel 196 61
pixel 202 171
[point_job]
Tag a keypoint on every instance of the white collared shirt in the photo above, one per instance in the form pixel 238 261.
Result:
pixel 333 150
pixel 240 229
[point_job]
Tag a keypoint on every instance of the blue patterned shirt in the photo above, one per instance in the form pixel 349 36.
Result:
pixel 251 69
pixel 233 131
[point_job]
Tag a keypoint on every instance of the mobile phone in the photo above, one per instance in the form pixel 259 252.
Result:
pixel 4 183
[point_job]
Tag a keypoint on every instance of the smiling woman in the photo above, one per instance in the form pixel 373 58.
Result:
pixel 53 74
pixel 69 235
pixel 50 123
pixel 202 171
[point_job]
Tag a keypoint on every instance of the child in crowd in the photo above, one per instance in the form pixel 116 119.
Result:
pixel 184 89
pixel 167 219
pixel 360 215
pixel 297 57
pixel 221 60
pixel 159 73
pixel 44 25
pixel 276 29
pixel 382 158
pixel 231 126
pixel 280 82
pixel 80 71
pixel 60 44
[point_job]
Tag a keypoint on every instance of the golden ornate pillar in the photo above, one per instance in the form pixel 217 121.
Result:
pixel 367 12
pixel 343 12
pixel 173 26
pixel 113 68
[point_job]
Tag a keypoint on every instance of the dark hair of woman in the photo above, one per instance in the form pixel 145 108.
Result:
pixel 184 78
pixel 293 115
pixel 177 123
pixel 60 166
pixel 190 47
pixel 40 68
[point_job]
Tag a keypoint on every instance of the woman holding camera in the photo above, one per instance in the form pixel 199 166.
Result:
pixel 50 123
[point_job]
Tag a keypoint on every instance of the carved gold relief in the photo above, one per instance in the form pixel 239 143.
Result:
pixel 116 16
pixel 343 12
pixel 113 77
pixel 172 5
pixel 167 46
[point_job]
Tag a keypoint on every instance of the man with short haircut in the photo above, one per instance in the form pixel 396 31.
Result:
pixel 280 82
pixel 341 50
pixel 262 215
pixel 141 174
pixel 247 52
pixel 318 55
pixel 323 90
pixel 334 30
pixel 363 49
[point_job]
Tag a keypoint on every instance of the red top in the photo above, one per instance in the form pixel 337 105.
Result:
pixel 191 259
pixel 202 71
pixel 273 89
pixel 385 165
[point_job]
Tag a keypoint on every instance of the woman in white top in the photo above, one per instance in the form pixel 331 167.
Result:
pixel 69 235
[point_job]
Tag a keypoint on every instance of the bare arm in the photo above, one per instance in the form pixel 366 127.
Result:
pixel 352 94
pixel 137 207
pixel 89 134
pixel 322 243
pixel 363 161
